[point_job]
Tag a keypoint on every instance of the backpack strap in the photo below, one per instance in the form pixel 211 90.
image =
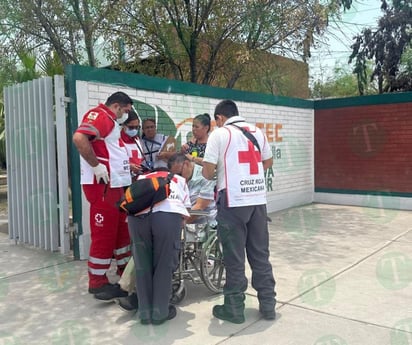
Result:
pixel 248 135
pixel 168 178
pixel 143 155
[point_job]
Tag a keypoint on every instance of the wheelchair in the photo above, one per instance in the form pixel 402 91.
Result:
pixel 200 259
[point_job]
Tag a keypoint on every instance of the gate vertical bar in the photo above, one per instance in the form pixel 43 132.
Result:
pixel 37 197
pixel 25 152
pixel 48 191
pixel 35 174
pixel 63 180
pixel 10 107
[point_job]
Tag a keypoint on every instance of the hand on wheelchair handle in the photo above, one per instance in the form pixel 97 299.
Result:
pixel 213 224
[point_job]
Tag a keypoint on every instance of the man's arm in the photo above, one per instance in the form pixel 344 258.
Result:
pixel 200 205
pixel 165 155
pixel 267 163
pixel 83 145
pixel 208 170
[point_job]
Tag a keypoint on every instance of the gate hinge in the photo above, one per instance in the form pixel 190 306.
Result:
pixel 64 100
pixel 71 228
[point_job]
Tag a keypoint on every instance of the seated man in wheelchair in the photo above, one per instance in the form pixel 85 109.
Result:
pixel 202 191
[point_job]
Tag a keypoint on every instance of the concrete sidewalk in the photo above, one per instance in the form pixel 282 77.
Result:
pixel 344 276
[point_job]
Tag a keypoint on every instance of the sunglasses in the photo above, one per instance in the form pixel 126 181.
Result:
pixel 134 127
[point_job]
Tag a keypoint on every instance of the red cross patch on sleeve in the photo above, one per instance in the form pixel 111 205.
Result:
pixel 92 116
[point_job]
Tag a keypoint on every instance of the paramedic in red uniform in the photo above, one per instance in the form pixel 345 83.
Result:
pixel 241 207
pixel 105 171
pixel 130 136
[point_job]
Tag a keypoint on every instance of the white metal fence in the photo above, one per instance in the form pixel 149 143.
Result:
pixel 36 147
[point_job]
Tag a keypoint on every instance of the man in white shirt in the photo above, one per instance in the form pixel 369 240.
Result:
pixel 202 191
pixel 156 236
pixel 239 153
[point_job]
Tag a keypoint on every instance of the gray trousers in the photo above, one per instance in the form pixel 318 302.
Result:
pixel 239 229
pixel 155 248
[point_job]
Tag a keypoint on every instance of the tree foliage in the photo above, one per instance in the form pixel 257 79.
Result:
pixel 388 47
pixel 70 28
pixel 209 41
pixel 343 83
pixel 203 41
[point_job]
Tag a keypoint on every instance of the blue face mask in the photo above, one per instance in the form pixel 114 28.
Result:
pixel 131 132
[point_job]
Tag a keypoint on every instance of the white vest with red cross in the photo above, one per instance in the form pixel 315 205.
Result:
pixel 114 156
pixel 134 150
pixel 245 180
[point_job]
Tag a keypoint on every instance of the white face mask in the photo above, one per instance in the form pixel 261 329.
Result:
pixel 123 118
pixel 131 132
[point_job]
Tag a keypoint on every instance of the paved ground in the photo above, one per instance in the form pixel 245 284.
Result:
pixel 344 277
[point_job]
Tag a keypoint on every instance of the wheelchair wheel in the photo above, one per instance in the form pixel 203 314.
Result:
pixel 212 268
pixel 178 292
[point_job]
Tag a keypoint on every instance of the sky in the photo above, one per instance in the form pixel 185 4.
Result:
pixel 363 13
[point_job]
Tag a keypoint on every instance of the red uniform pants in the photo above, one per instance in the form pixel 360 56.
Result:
pixel 109 232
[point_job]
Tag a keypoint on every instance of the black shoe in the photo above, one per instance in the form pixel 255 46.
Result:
pixel 222 313
pixel 145 321
pixel 268 314
pixel 98 289
pixel 110 293
pixel 129 303
pixel 171 315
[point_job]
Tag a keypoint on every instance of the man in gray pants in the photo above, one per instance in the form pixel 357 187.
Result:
pixel 239 153
pixel 156 235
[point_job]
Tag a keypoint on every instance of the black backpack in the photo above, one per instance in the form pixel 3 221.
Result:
pixel 145 193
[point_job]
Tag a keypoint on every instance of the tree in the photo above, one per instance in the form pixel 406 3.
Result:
pixel 386 47
pixel 26 67
pixel 211 42
pixel 69 28
pixel 343 83
pixel 203 41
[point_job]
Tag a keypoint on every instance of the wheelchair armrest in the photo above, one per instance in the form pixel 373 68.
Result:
pixel 198 213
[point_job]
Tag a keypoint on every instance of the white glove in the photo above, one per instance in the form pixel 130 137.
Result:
pixel 101 173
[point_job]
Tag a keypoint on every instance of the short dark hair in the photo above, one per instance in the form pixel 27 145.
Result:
pixel 226 108
pixel 132 116
pixel 148 120
pixel 177 158
pixel 119 97
pixel 204 119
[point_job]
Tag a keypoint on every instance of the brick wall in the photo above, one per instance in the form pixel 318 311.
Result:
pixel 364 148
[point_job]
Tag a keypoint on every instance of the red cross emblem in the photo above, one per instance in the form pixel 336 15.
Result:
pixel 135 157
pixel 252 157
